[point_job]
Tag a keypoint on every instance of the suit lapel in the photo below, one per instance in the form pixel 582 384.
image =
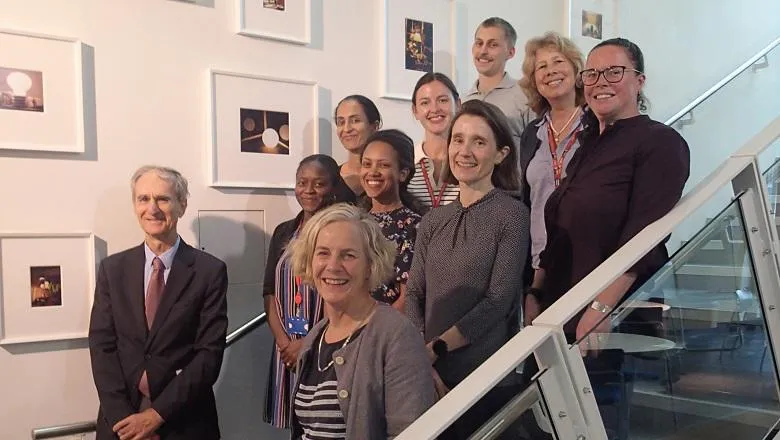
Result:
pixel 135 284
pixel 178 279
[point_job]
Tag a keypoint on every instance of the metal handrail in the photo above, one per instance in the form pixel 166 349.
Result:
pixel 242 331
pixel 727 79
pixel 85 427
pixel 63 430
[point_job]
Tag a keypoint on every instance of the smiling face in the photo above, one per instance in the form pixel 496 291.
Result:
pixel 380 172
pixel 157 208
pixel 340 265
pixel 613 101
pixel 491 50
pixel 473 153
pixel 554 74
pixel 352 126
pixel 434 107
pixel 313 187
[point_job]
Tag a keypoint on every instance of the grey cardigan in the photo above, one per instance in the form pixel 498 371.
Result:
pixel 384 376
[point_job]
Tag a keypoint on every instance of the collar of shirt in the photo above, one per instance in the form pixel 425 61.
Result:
pixel 166 257
pixel 506 83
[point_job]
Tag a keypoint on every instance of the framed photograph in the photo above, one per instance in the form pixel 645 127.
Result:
pixel 283 20
pixel 417 38
pixel 592 25
pixel 590 22
pixel 261 128
pixel 47 282
pixel 41 93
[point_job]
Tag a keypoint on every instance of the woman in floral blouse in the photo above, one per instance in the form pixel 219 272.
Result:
pixel 386 167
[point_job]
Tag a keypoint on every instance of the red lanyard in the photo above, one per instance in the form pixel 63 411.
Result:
pixel 435 200
pixel 556 162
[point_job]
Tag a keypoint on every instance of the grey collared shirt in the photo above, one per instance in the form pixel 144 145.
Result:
pixel 509 97
pixel 167 259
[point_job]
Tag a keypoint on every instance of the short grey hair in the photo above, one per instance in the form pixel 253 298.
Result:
pixel 509 30
pixel 179 182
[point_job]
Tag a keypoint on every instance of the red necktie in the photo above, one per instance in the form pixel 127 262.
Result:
pixel 153 295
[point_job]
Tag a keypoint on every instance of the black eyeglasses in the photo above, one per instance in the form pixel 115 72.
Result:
pixel 612 74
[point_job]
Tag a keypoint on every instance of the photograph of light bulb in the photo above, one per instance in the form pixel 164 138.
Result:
pixel 264 131
pixel 21 89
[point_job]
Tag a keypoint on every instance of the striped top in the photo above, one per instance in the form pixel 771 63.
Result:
pixel 419 189
pixel 316 403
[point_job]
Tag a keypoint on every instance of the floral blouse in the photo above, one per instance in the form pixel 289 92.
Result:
pixel 399 226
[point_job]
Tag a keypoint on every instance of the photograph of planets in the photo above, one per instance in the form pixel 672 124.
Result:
pixel 264 131
pixel 21 89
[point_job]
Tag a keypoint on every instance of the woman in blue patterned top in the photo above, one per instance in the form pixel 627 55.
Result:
pixel 386 167
pixel 292 306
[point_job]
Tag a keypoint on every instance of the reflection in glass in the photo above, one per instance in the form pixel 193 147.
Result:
pixel 688 353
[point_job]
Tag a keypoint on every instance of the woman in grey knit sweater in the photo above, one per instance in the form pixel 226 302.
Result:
pixel 466 278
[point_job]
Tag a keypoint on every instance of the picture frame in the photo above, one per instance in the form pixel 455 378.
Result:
pixel 591 21
pixel 41 85
pixel 260 129
pixel 47 284
pixel 282 20
pixel 416 37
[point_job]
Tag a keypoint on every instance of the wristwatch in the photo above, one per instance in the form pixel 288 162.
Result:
pixel 440 348
pixel 600 307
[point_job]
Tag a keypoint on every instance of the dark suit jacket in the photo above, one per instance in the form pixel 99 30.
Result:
pixel 182 353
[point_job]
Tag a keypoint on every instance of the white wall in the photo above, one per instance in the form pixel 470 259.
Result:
pixel 688 47
pixel 150 60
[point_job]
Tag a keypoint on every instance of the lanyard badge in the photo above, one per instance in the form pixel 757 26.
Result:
pixel 297 324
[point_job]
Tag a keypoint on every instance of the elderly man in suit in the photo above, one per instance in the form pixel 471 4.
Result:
pixel 157 331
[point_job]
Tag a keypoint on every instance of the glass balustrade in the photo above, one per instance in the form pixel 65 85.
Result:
pixel 687 354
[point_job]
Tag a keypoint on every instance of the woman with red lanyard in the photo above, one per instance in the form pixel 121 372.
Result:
pixel 549 81
pixel 435 101
pixel 293 307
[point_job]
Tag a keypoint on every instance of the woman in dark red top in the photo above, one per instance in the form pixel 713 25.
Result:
pixel 629 171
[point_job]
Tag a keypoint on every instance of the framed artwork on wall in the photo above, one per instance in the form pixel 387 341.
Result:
pixel 416 38
pixel 590 22
pixel 47 283
pixel 41 93
pixel 283 20
pixel 261 128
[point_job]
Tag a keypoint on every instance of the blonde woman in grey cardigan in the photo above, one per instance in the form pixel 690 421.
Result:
pixel 363 370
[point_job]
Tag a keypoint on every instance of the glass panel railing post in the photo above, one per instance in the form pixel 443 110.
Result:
pixel 567 391
pixel 763 251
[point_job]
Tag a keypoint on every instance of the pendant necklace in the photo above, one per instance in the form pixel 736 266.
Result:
pixel 557 133
pixel 322 369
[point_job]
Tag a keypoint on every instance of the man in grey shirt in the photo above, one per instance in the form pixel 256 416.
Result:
pixel 494 45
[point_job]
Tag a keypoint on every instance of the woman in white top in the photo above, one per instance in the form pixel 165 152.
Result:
pixel 435 101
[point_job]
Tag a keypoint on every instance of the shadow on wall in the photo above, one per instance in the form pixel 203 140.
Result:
pixel 241 387
pixel 237 238
pixel 325 125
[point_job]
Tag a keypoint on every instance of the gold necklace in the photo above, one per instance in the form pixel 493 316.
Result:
pixel 557 133
pixel 322 369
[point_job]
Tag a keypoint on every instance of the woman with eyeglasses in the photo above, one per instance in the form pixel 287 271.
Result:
pixel 550 82
pixel 629 172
